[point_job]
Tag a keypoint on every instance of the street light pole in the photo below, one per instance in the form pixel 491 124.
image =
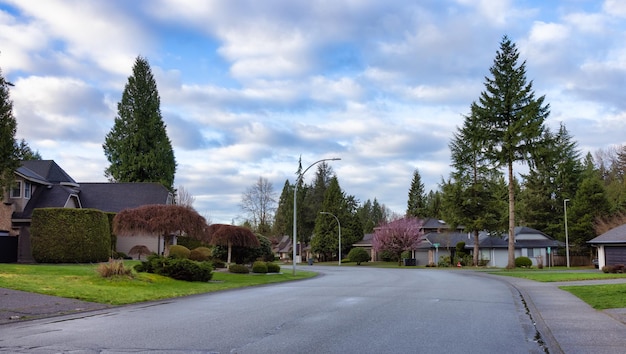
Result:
pixel 338 223
pixel 566 235
pixel 295 214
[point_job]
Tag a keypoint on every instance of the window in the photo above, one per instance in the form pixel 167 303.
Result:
pixel 27 190
pixel 16 190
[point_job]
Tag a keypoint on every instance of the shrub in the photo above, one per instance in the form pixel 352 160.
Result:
pixel 178 251
pixel 177 268
pixel 358 255
pixel 273 267
pixel 239 269
pixel 259 267
pixel 68 235
pixel 188 270
pixel 523 262
pixel 218 263
pixel 200 254
pixel 607 269
pixel 114 267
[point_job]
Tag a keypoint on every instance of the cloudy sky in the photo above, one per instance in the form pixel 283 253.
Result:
pixel 247 87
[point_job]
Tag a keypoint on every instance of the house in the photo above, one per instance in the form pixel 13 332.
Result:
pixel 44 184
pixel 529 242
pixel 611 246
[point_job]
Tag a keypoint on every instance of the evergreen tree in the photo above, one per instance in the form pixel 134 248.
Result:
pixel 470 196
pixel 24 152
pixel 589 205
pixel 283 219
pixel 313 199
pixel 8 126
pixel 554 177
pixel 513 119
pixel 416 205
pixel 325 240
pixel 434 204
pixel 137 146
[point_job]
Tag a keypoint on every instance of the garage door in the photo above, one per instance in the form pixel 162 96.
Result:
pixel 615 255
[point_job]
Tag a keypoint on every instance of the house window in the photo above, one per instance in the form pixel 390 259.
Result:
pixel 16 190
pixel 27 190
pixel 531 253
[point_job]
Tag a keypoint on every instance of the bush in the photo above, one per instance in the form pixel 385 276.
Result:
pixel 239 269
pixel 200 254
pixel 68 235
pixel 259 267
pixel 188 270
pixel 177 268
pixel 358 255
pixel 523 262
pixel 178 251
pixel 114 267
pixel 273 267
pixel 218 263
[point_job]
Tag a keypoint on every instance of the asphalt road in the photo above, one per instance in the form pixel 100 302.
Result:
pixel 344 310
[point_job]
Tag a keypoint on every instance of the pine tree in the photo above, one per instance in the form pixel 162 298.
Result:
pixel 325 241
pixel 416 205
pixel 513 119
pixel 588 206
pixel 8 126
pixel 137 146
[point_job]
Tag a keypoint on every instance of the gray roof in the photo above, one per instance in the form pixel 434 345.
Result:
pixel 615 235
pixel 47 170
pixel 56 187
pixel 115 197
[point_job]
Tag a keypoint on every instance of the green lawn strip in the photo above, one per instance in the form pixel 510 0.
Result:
pixel 82 282
pixel 600 297
pixel 556 276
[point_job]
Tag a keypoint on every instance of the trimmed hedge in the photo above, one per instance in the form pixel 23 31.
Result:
pixel 68 235
pixel 259 267
pixel 523 262
pixel 200 254
pixel 273 267
pixel 238 268
pixel 178 251
pixel 358 255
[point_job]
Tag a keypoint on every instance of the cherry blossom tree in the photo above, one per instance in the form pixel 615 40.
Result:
pixel 397 236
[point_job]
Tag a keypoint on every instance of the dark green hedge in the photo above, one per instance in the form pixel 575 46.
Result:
pixel 67 235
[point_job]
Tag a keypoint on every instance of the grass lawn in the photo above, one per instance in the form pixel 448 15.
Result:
pixel 544 275
pixel 81 281
pixel 600 297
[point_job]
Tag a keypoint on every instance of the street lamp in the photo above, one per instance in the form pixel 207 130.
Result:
pixel 338 223
pixel 566 235
pixel 295 215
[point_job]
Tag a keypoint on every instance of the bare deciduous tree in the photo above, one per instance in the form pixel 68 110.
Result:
pixel 184 198
pixel 259 202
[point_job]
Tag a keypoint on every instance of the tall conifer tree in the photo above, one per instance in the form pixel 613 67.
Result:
pixel 8 126
pixel 137 146
pixel 416 204
pixel 513 119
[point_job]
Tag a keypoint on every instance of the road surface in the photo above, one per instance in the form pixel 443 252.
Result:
pixel 344 310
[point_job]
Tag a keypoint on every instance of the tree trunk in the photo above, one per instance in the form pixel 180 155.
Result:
pixel 476 247
pixel 511 262
pixel 230 246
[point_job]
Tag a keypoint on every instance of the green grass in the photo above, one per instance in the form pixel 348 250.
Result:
pixel 600 297
pixel 556 276
pixel 83 282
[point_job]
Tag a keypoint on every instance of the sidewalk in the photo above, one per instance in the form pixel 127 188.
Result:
pixel 569 325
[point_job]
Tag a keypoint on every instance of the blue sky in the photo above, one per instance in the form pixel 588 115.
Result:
pixel 247 87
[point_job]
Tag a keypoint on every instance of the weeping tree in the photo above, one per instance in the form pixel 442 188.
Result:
pixel 161 220
pixel 231 235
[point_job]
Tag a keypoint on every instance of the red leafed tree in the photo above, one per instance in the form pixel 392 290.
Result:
pixel 231 235
pixel 397 236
